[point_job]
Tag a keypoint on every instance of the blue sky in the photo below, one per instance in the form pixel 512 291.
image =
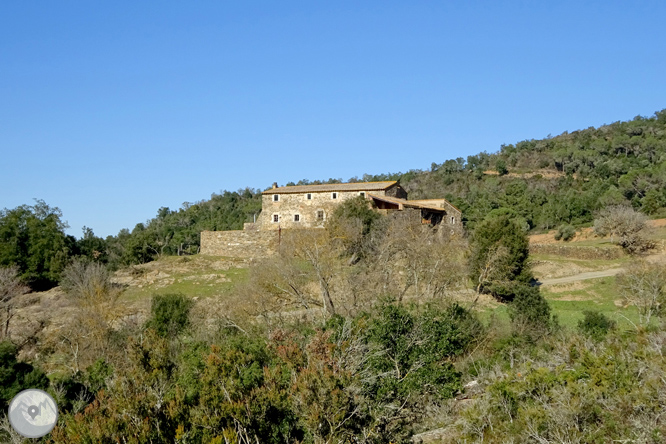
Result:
pixel 110 111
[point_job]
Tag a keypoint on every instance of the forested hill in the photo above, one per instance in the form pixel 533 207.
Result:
pixel 558 180
pixel 546 183
pixel 549 182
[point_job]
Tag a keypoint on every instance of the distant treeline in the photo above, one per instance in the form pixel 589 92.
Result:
pixel 547 183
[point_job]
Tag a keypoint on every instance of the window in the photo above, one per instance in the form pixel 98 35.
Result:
pixel 297 217
pixel 362 194
pixel 320 214
pixel 276 197
pixel 308 196
pixel 453 220
pixel 334 195
pixel 276 218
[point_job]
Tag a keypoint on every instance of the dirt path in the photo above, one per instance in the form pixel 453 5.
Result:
pixel 582 276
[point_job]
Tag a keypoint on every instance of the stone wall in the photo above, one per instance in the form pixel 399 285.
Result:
pixel 393 191
pixel 290 205
pixel 577 252
pixel 245 244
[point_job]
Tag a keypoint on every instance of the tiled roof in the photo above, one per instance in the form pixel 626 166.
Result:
pixel 358 186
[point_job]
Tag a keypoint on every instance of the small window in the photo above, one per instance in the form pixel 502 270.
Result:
pixel 334 195
pixel 297 217
pixel 453 220
pixel 308 196
pixel 362 194
pixel 320 214
pixel 276 197
pixel 276 218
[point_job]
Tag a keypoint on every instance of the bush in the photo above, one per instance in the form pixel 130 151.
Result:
pixel 565 233
pixel 529 311
pixel 16 376
pixel 169 314
pixel 409 360
pixel 595 325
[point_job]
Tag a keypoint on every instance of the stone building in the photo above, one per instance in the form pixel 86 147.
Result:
pixel 309 206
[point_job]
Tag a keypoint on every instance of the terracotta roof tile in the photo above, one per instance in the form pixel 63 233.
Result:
pixel 357 186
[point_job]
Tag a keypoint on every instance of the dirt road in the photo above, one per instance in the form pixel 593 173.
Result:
pixel 582 276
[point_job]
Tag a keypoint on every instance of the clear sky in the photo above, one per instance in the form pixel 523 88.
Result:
pixel 110 110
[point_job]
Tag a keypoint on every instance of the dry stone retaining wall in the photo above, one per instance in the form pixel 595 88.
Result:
pixel 577 252
pixel 244 244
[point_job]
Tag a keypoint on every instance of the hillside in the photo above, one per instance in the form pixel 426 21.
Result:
pixel 549 182
pixel 372 337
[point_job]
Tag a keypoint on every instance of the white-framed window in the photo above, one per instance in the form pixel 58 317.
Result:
pixel 297 217
pixel 276 218
pixel 453 220
pixel 276 197
pixel 334 195
pixel 308 196
pixel 320 214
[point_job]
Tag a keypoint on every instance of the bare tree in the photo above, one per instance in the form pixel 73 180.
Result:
pixel 644 285
pixel 625 226
pixel 314 247
pixel 85 337
pixel 10 288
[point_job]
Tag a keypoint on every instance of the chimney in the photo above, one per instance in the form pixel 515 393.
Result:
pixel 274 185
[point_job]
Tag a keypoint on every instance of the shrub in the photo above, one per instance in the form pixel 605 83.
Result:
pixel 169 314
pixel 529 311
pixel 595 325
pixel 16 376
pixel 409 360
pixel 565 233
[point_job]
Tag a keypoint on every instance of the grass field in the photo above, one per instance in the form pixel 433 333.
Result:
pixel 194 276
pixel 569 301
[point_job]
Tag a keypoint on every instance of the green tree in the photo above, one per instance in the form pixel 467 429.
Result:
pixel 499 252
pixel 33 238
pixel 501 167
pixel 92 247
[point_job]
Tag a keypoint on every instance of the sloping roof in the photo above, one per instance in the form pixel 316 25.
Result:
pixel 435 202
pixel 357 186
pixel 406 203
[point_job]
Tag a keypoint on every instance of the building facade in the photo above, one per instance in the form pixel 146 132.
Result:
pixel 309 206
